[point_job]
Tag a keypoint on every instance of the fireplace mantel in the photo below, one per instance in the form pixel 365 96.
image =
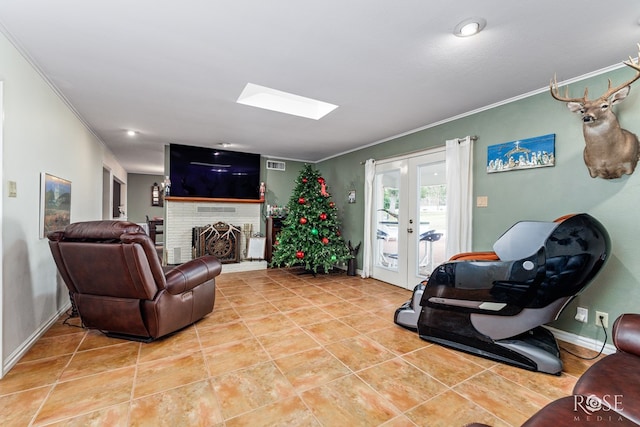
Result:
pixel 210 200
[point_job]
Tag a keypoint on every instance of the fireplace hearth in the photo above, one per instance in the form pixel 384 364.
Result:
pixel 221 240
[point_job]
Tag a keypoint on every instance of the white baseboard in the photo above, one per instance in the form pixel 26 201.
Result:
pixel 581 341
pixel 35 336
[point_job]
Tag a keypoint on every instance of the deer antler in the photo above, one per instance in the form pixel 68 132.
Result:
pixel 555 92
pixel 553 85
pixel 631 63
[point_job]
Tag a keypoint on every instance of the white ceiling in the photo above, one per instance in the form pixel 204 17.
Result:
pixel 172 70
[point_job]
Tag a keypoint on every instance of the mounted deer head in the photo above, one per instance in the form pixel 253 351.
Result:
pixel 610 151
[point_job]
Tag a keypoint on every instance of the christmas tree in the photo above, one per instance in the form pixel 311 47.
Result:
pixel 310 234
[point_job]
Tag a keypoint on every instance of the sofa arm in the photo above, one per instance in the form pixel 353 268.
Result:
pixel 626 333
pixel 192 273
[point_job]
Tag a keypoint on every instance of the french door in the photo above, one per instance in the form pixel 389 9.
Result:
pixel 409 218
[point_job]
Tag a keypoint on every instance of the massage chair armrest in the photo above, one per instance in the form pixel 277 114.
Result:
pixel 192 273
pixel 475 256
pixel 626 333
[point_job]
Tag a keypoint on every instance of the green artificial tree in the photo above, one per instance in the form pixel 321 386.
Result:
pixel 310 235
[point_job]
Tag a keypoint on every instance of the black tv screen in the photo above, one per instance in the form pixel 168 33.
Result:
pixel 211 173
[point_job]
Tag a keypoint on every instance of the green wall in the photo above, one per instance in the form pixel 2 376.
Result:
pixel 139 197
pixel 538 194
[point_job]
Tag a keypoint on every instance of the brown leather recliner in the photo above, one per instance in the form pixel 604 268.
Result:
pixel 118 286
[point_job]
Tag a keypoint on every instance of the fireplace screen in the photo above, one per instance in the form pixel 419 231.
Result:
pixel 220 240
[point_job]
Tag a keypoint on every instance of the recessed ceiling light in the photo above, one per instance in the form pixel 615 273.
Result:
pixel 284 102
pixel 132 133
pixel 469 27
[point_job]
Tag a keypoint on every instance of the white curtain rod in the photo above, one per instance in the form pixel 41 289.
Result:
pixel 473 138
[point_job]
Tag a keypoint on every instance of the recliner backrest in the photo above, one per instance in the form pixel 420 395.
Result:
pixel 110 258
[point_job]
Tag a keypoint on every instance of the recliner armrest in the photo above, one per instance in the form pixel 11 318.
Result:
pixel 192 273
pixel 626 333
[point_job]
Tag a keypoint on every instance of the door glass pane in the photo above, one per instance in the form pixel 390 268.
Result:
pixel 432 211
pixel 387 212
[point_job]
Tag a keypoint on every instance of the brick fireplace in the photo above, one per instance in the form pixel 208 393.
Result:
pixel 183 216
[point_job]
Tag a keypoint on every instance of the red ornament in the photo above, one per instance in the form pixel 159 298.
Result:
pixel 305 180
pixel 321 180
pixel 302 201
pixel 299 254
pixel 325 241
pixel 323 216
pixel 338 233
pixel 332 205
pixel 303 220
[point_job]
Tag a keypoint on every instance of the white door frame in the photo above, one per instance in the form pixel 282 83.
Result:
pixel 401 267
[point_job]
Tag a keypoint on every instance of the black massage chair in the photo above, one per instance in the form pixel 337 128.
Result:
pixel 493 304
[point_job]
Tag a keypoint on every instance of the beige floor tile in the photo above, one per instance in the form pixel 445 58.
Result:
pixel 271 294
pixel 504 399
pixel 248 389
pixel 550 386
pixel 95 339
pixel 330 331
pixel 279 349
pixel 164 374
pixel 233 356
pixel 53 346
pixel 398 340
pixel 258 310
pixel 348 401
pixel 450 409
pixel 307 290
pixel 342 308
pixel 24 376
pixel 308 315
pixel 269 324
pixel 229 332
pixel 289 304
pixel 183 341
pixel 245 298
pixel 365 322
pixel 359 352
pixel 323 298
pixel 288 412
pixel 401 383
pixel 59 328
pixel 190 405
pixel 448 366
pixel 220 316
pixel 574 364
pixel 286 342
pixel 116 415
pixel 18 409
pixel 87 394
pixel 311 368
pixel 102 359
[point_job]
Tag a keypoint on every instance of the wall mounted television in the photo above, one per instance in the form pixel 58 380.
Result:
pixel 211 173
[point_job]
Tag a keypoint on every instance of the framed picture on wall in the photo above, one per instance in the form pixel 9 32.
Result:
pixel 55 203
pixel 527 153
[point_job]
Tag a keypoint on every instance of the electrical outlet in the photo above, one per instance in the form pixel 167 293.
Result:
pixel 605 319
pixel 582 315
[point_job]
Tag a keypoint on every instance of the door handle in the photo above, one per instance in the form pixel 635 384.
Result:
pixel 409 230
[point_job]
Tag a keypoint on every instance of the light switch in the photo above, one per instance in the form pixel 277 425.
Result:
pixel 482 201
pixel 13 189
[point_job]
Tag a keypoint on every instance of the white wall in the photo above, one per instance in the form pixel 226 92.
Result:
pixel 40 134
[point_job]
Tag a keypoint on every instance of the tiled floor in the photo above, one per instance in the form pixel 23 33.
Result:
pixel 279 349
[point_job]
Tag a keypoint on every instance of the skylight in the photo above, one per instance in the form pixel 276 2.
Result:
pixel 284 102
